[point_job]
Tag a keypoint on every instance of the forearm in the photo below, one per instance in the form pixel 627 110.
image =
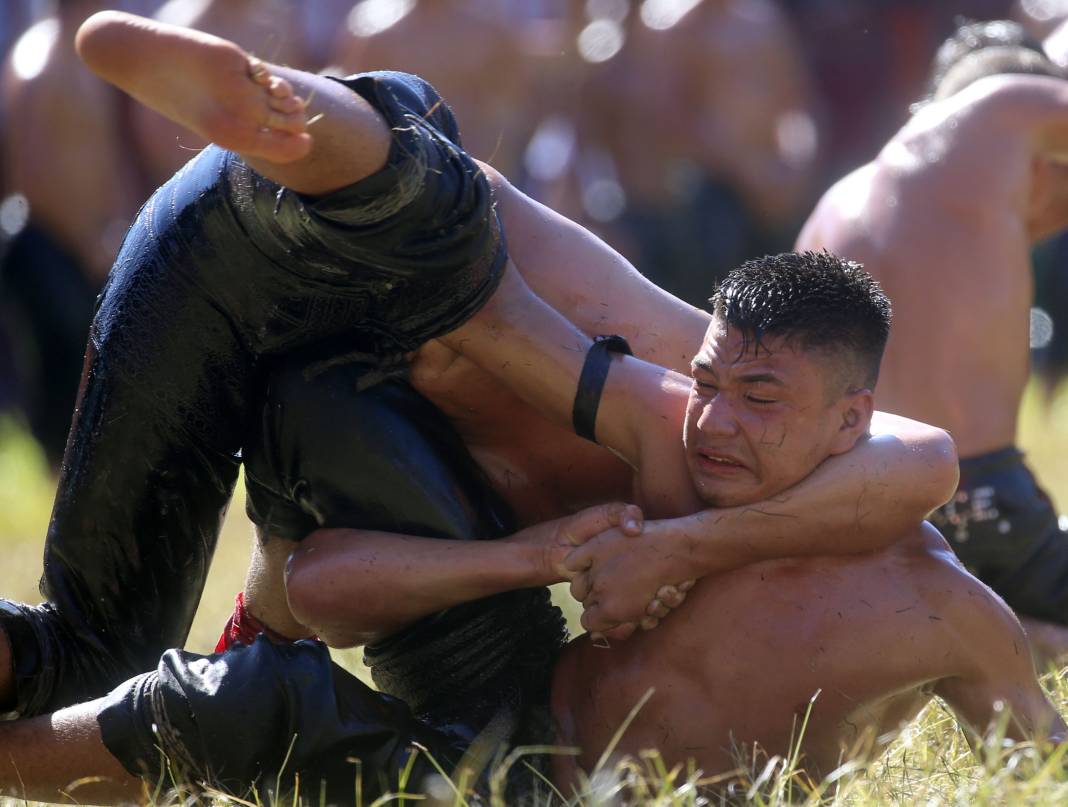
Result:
pixel 354 587
pixel 857 502
pixel 61 758
pixel 539 354
pixel 527 345
pixel 594 286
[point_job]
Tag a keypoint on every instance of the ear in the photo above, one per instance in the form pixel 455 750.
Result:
pixel 856 409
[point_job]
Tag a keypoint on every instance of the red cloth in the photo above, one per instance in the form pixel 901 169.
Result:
pixel 242 627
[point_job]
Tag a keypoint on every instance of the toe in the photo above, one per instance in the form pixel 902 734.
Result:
pixel 292 123
pixel 258 71
pixel 278 87
pixel 287 105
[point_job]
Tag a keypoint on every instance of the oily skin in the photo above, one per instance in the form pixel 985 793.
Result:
pixel 257 110
pixel 874 634
pixel 757 418
pixel 944 218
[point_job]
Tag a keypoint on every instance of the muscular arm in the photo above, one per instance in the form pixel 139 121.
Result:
pixel 357 586
pixel 538 353
pixel 856 502
pixel 594 286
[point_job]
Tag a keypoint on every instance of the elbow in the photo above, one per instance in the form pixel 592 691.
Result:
pixel 939 458
pixel 327 603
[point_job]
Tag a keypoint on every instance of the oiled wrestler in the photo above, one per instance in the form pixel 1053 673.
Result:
pixel 782 381
pixel 380 236
pixel 945 216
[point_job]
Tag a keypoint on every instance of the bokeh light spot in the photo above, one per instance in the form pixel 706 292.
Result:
pixel 30 54
pixel 371 17
pixel 601 40
pixel 1041 329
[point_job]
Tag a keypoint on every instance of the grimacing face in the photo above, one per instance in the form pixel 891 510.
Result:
pixel 761 420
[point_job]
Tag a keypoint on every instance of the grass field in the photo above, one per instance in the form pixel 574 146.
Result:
pixel 930 764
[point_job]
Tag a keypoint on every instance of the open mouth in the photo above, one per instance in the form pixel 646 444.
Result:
pixel 715 462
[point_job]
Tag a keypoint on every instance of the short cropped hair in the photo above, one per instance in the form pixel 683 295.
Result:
pixel 815 301
pixel 980 49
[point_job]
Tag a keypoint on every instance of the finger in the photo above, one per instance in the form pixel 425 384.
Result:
pixel 657 609
pixel 670 596
pixel 633 520
pixel 649 622
pixel 621 632
pixel 581 584
pixel 599 640
pixel 585 524
pixel 578 560
pixel 685 585
pixel 593 620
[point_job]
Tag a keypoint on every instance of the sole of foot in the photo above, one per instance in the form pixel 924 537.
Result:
pixel 206 84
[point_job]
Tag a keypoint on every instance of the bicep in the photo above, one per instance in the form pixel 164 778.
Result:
pixel 919 458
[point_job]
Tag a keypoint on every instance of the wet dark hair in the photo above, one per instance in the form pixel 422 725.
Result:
pixel 980 49
pixel 816 301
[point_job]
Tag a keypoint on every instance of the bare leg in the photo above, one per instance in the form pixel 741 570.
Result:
pixel 61 758
pixel 261 111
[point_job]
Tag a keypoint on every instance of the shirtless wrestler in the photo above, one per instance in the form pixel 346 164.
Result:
pixel 124 562
pixel 776 389
pixel 945 217
pixel 56 112
pixel 783 380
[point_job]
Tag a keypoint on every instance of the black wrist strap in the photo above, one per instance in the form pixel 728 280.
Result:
pixel 591 383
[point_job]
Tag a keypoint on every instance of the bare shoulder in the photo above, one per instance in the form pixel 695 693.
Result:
pixel 828 226
pixel 979 629
pixel 1015 103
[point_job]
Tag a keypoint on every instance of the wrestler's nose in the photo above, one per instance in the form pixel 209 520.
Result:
pixel 718 418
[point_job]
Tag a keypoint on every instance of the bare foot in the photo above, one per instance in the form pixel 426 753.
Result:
pixel 1049 643
pixel 204 83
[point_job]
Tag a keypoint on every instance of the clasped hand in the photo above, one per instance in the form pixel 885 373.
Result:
pixel 623 576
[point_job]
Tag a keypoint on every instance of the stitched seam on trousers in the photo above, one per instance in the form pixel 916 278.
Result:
pixel 170 738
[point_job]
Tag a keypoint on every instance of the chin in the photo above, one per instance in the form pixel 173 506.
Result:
pixel 718 494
